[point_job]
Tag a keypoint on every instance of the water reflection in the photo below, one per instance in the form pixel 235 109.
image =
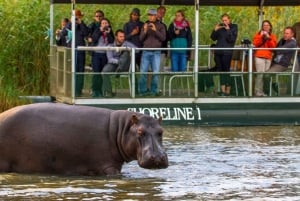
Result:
pixel 206 163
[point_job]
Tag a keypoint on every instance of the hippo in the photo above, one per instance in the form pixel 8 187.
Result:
pixel 56 138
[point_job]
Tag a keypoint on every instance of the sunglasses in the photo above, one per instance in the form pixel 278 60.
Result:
pixel 99 16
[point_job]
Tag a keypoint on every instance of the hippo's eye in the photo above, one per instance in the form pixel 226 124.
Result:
pixel 140 132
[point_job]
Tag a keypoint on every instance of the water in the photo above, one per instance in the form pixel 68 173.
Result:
pixel 206 163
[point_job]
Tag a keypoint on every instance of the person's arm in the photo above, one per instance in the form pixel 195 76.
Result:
pixel 258 40
pixel 110 56
pixel 126 31
pixel 143 33
pixel 160 32
pixel 271 42
pixel 232 33
pixel 95 36
pixel 110 36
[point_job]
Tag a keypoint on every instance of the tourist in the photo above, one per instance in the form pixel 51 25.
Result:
pixel 118 61
pixel 282 58
pixel 264 38
pixel 132 30
pixel 81 32
pixel 225 34
pixel 152 35
pixel 61 40
pixel 100 38
pixel 180 35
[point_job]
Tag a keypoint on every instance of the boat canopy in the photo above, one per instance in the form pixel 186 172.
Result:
pixel 258 3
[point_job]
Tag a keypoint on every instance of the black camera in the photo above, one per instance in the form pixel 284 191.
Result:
pixel 106 28
pixel 246 41
pixel 149 25
pixel 222 25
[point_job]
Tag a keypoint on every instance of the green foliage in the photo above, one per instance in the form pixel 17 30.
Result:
pixel 24 63
pixel 23 58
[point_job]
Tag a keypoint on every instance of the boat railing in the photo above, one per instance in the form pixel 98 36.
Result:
pixel 191 83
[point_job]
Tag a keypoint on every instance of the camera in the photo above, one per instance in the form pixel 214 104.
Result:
pixel 222 25
pixel 246 41
pixel 106 28
pixel 149 25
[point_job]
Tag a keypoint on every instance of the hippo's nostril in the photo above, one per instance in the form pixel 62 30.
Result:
pixel 152 158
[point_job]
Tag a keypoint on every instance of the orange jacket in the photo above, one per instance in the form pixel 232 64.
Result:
pixel 259 43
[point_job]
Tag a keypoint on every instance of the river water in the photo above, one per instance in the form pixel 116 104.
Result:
pixel 206 163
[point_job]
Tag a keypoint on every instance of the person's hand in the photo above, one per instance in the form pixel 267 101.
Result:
pixel 152 26
pixel 57 32
pixel 145 27
pixel 135 31
pixel 218 26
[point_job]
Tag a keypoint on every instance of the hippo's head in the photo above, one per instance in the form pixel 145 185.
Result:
pixel 144 143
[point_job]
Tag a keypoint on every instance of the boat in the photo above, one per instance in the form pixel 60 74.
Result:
pixel 181 101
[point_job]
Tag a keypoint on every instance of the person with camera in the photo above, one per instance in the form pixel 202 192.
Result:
pixel 225 34
pixel 81 32
pixel 180 35
pixel 264 38
pixel 152 35
pixel 100 38
pixel 60 39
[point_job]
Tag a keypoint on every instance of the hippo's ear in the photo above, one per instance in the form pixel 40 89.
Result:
pixel 159 120
pixel 134 119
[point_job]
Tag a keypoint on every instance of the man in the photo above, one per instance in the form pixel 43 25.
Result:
pixel 152 35
pixel 282 58
pixel 81 32
pixel 118 61
pixel 161 11
pixel 225 34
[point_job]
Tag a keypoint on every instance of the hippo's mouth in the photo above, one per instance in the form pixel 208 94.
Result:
pixel 153 161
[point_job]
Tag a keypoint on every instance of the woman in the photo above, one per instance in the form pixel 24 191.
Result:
pixel 262 57
pixel 225 34
pixel 180 35
pixel 101 37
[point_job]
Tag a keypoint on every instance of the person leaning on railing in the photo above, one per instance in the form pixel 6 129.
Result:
pixel 282 58
pixel 264 38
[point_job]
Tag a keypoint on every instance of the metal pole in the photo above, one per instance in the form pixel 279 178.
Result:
pixel 196 46
pixel 132 73
pixel 73 50
pixel 51 23
pixel 250 70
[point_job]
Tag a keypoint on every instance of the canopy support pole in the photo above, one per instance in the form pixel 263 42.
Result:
pixel 260 13
pixel 196 46
pixel 73 50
